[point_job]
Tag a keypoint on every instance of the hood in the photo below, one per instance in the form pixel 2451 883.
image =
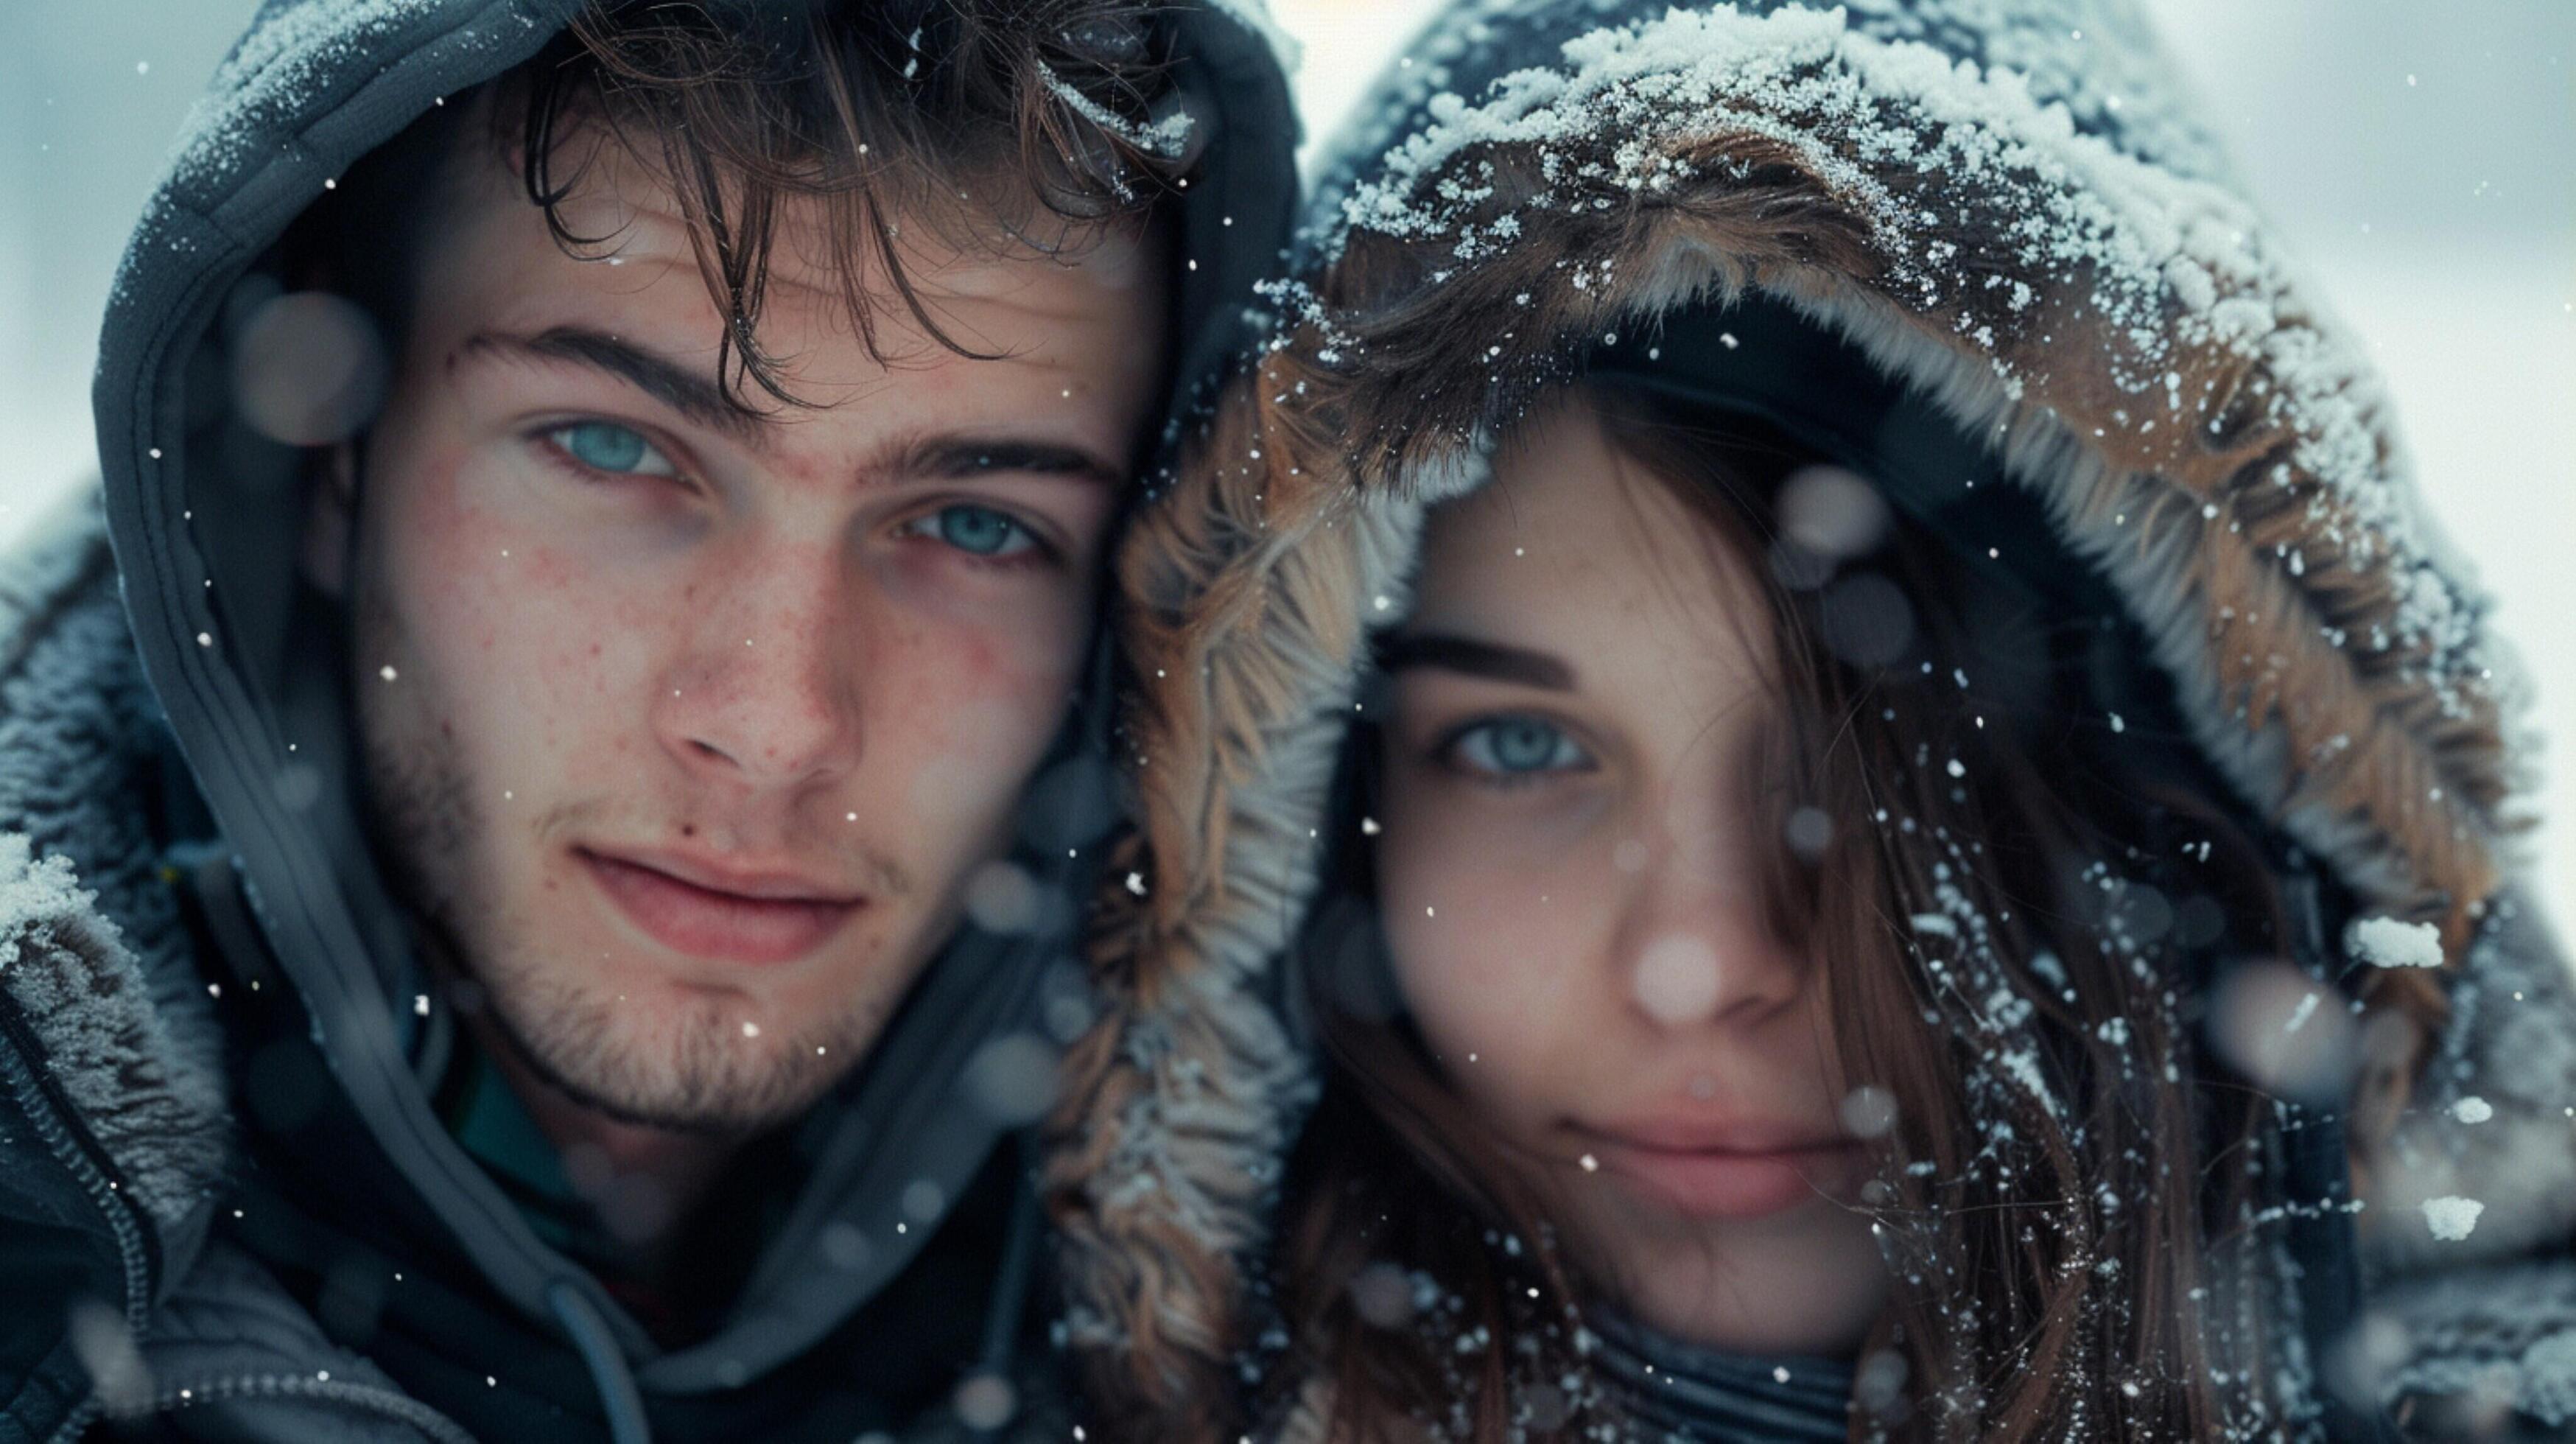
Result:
pixel 2039 267
pixel 203 517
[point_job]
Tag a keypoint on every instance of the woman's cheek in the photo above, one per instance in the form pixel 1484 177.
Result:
pixel 1489 954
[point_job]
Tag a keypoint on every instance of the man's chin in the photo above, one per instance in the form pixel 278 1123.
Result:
pixel 702 1072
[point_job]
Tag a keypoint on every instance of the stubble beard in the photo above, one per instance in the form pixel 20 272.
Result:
pixel 680 1062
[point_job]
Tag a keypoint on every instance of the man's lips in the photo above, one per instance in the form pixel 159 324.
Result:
pixel 1724 1171
pixel 745 917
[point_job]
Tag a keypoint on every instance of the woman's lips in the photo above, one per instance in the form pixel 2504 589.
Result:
pixel 708 922
pixel 1727 1182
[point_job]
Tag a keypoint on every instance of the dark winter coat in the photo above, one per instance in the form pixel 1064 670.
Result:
pixel 226 1206
pixel 2010 250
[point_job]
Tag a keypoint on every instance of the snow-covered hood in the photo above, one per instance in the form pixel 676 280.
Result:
pixel 204 516
pixel 2003 205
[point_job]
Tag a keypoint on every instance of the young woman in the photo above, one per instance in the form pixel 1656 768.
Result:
pixel 1803 719
pixel 1750 977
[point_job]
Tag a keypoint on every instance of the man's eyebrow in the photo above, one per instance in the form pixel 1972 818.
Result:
pixel 1476 659
pixel 690 393
pixel 698 397
pixel 943 457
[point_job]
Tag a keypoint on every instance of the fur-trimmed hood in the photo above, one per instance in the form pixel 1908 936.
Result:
pixel 2008 209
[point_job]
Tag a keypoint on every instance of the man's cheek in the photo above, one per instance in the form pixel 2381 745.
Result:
pixel 965 763
pixel 1036 618
pixel 529 645
pixel 975 709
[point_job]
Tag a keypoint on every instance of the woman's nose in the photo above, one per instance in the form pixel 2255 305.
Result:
pixel 1695 945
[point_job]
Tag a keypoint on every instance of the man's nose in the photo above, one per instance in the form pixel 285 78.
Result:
pixel 763 688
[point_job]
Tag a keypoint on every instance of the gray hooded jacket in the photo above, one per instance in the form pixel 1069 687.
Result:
pixel 227 1208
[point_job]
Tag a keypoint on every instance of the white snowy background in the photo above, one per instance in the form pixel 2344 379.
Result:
pixel 2421 157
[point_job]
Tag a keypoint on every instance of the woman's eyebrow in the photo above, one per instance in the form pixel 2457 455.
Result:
pixel 1476 659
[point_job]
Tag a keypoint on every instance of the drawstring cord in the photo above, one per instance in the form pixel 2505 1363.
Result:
pixel 1010 1292
pixel 608 1374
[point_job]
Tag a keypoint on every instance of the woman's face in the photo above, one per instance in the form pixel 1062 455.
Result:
pixel 1571 867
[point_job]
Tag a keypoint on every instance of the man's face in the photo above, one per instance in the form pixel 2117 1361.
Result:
pixel 685 730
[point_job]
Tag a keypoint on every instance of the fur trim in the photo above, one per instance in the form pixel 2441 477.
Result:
pixel 81 906
pixel 1248 608
pixel 2145 366
pixel 2113 319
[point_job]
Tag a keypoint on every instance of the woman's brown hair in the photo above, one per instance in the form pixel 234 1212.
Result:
pixel 2020 921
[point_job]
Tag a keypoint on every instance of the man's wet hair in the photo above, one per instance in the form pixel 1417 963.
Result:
pixel 1031 124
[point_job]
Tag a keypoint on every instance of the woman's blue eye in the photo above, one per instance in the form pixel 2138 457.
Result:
pixel 1517 746
pixel 607 446
pixel 980 530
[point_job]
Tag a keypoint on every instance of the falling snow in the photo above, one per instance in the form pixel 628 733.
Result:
pixel 2451 1219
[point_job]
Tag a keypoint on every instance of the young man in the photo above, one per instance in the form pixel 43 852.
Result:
pixel 536 880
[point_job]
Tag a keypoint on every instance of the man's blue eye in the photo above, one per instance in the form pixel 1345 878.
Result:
pixel 981 531
pixel 607 446
pixel 1517 746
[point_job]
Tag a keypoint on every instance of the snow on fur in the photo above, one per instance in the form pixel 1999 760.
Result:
pixel 2166 257
pixel 67 970
pixel 126 1027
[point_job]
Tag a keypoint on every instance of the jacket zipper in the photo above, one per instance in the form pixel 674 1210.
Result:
pixel 42 1100
pixel 402 1408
